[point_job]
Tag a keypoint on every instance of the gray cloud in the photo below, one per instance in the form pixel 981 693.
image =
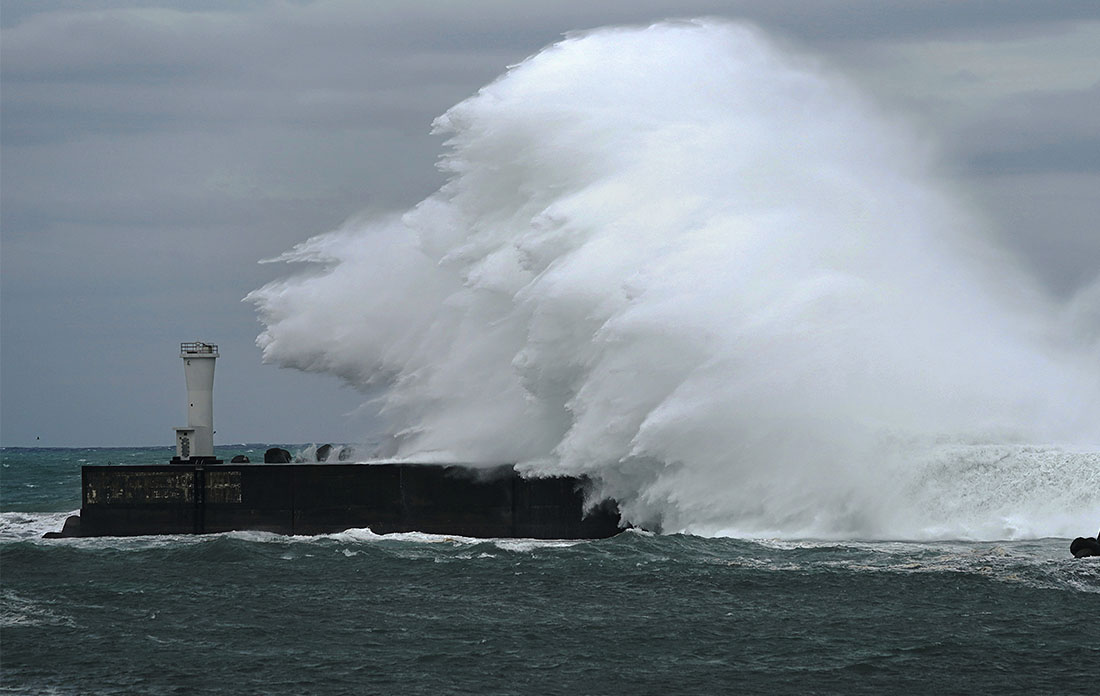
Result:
pixel 1038 131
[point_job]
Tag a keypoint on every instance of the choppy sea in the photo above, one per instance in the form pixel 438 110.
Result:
pixel 358 613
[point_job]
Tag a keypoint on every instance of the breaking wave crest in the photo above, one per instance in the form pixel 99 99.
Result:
pixel 708 273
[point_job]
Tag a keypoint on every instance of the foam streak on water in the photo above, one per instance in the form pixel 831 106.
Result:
pixel 708 273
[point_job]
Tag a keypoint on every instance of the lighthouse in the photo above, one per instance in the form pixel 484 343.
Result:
pixel 195 441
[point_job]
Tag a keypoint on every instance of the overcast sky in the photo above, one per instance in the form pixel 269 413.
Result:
pixel 153 152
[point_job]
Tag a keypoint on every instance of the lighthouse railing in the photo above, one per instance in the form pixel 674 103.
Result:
pixel 199 348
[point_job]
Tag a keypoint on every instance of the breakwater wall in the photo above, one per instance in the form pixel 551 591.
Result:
pixel 326 498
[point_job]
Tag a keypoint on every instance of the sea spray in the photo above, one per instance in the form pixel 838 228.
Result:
pixel 708 273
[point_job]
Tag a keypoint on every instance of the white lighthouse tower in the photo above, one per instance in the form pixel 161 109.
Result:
pixel 196 440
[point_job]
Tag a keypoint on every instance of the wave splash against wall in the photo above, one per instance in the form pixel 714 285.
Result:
pixel 710 274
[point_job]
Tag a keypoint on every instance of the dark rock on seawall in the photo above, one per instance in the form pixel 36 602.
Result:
pixel 1082 547
pixel 277 455
pixel 71 529
pixel 239 459
pixel 323 453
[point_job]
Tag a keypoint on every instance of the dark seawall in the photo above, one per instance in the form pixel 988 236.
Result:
pixel 327 498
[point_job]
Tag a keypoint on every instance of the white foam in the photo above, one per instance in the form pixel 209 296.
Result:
pixel 29 526
pixel 16 610
pixel 708 273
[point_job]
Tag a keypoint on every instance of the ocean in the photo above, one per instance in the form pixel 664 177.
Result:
pixel 641 613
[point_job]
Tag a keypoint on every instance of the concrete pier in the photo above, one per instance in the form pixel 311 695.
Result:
pixel 325 498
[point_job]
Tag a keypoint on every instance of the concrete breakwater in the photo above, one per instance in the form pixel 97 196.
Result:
pixel 326 498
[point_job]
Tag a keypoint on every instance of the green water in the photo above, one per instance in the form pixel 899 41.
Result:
pixel 356 613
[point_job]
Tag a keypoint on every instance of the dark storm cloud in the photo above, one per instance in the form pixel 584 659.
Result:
pixel 346 64
pixel 1039 131
pixel 1070 157
pixel 153 151
pixel 213 72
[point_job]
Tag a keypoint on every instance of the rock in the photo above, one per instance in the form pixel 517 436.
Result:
pixel 239 459
pixel 71 529
pixel 323 452
pixel 1083 547
pixel 277 455
pixel 345 454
